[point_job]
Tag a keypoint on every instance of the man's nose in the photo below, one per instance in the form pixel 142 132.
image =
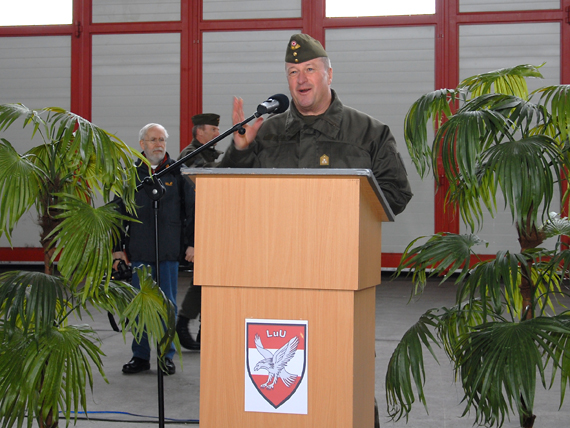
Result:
pixel 301 77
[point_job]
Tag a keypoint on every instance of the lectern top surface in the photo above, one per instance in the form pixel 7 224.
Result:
pixel 362 173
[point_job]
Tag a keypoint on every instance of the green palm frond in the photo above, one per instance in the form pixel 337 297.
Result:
pixel 493 280
pixel 113 297
pixel 510 81
pixel 96 159
pixel 154 313
pixel 106 160
pixel 459 320
pixel 19 184
pixel 9 113
pixel 559 353
pixel 526 171
pixel 516 115
pixel 406 367
pixel 480 154
pixel 558 264
pixel 551 268
pixel 60 172
pixel 443 255
pixel 32 301
pixel 548 287
pixel 91 232
pixel 498 364
pixel 434 106
pixel 462 139
pixel 470 200
pixel 46 374
pixel 558 99
pixel 521 170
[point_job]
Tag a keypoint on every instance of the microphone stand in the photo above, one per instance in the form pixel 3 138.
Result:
pixel 238 127
pixel 155 190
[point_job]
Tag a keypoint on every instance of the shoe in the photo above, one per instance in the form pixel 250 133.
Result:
pixel 136 365
pixel 186 339
pixel 169 367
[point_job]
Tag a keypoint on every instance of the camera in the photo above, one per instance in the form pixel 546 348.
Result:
pixel 124 272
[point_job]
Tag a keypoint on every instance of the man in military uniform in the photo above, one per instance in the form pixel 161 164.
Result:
pixel 205 129
pixel 318 130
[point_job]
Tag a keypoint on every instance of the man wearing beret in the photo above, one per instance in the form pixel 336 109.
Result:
pixel 205 129
pixel 318 130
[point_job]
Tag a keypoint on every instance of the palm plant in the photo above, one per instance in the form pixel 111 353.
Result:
pixel 491 138
pixel 45 362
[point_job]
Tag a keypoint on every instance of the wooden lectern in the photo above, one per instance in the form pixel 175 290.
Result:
pixel 280 244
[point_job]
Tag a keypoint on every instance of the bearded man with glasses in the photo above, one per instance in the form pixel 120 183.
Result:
pixel 176 231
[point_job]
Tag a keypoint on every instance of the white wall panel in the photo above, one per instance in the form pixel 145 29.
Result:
pixel 251 9
pixel 135 10
pixel 506 5
pixel 382 71
pixel 489 47
pixel 36 71
pixel 136 80
pixel 249 65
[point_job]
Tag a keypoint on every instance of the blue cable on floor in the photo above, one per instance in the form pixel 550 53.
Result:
pixel 170 420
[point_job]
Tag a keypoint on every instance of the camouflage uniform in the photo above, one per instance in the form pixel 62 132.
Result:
pixel 340 138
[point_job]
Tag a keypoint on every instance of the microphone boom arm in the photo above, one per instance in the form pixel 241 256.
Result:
pixel 237 127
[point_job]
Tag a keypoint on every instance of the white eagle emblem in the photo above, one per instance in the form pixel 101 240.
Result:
pixel 275 363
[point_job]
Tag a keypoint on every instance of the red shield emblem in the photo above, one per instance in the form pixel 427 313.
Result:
pixel 276 359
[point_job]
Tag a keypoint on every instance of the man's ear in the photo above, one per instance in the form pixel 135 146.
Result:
pixel 141 142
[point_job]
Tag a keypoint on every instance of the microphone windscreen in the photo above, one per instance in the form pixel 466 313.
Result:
pixel 283 102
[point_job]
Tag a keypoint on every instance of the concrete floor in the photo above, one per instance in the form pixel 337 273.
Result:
pixel 132 400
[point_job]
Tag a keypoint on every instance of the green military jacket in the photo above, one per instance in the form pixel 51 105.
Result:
pixel 341 138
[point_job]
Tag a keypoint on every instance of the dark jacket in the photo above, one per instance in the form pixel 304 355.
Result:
pixel 175 218
pixel 341 138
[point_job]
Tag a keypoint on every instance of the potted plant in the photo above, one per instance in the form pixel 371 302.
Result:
pixel 45 360
pixel 491 137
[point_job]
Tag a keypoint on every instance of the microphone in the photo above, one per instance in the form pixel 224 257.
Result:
pixel 277 103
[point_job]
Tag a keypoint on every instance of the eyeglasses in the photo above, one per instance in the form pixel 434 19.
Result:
pixel 155 140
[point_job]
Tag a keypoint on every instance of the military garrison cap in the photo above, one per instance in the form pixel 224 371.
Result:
pixel 206 119
pixel 303 47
